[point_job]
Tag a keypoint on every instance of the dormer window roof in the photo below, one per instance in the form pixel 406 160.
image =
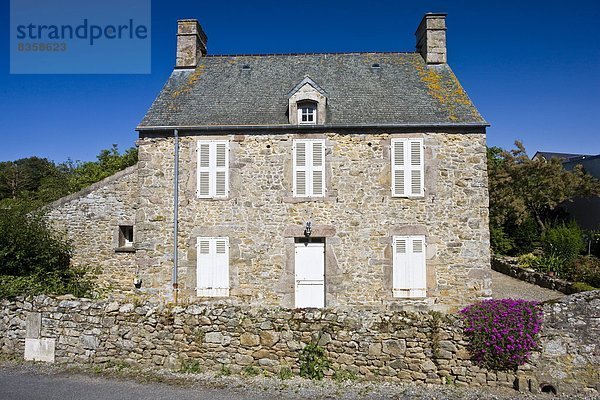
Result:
pixel 307 103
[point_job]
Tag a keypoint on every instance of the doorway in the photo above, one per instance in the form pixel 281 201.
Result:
pixel 309 272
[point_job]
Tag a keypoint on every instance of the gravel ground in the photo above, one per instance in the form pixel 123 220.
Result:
pixel 19 380
pixel 504 286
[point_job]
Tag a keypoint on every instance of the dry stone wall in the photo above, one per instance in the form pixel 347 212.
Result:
pixel 395 346
pixel 357 218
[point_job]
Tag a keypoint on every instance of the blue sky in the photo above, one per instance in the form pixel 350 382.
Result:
pixel 531 67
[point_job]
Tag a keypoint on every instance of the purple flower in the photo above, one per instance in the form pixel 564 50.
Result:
pixel 502 333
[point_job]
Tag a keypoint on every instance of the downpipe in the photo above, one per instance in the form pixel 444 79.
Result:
pixel 175 216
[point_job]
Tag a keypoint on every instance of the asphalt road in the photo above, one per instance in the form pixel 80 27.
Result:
pixel 16 384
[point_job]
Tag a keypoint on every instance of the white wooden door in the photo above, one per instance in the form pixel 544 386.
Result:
pixel 310 275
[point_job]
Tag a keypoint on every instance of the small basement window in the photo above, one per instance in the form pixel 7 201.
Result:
pixel 125 236
pixel 307 113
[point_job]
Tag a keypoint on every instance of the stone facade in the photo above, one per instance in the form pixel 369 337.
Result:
pixel 357 218
pixel 391 345
pixel 90 219
pixel 363 101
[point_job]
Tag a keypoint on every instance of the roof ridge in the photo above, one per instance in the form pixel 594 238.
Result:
pixel 308 53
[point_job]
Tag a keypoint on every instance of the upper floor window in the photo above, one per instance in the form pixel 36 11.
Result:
pixel 309 168
pixel 213 168
pixel 408 168
pixel 307 113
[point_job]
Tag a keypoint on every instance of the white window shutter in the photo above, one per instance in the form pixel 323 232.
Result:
pixel 418 286
pixel 221 269
pixel 416 167
pixel 400 266
pixel 407 167
pixel 203 169
pixel 300 185
pixel 212 273
pixel 203 266
pixel 398 168
pixel 213 168
pixel 318 168
pixel 309 168
pixel 221 168
pixel 409 269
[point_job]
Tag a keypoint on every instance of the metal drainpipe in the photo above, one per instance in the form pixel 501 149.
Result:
pixel 175 214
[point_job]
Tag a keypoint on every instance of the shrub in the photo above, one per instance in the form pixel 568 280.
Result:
pixel 502 333
pixel 528 260
pixel 525 236
pixel 582 287
pixel 285 373
pixel 550 263
pixel 500 242
pixel 225 370
pixel 34 260
pixel 343 375
pixel 190 366
pixel 313 362
pixel 28 246
pixel 585 269
pixel 250 370
pixel 564 241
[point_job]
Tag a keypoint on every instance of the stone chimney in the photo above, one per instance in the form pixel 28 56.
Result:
pixel 431 38
pixel 191 43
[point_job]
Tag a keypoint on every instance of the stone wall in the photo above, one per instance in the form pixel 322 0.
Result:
pixel 510 267
pixel 394 346
pixel 397 346
pixel 357 218
pixel 90 219
pixel 569 360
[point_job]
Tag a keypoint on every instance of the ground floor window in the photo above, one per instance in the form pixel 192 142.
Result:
pixel 409 266
pixel 212 272
pixel 125 236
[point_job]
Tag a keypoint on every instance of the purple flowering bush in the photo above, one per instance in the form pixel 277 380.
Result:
pixel 502 333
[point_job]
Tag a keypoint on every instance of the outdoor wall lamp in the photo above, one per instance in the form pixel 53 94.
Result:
pixel 307 229
pixel 137 282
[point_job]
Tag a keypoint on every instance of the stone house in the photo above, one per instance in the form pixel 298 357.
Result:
pixel 299 180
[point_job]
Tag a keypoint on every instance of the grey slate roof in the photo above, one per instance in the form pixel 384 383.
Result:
pixel 403 91
pixel 561 156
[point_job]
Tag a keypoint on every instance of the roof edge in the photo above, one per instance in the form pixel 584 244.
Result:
pixel 148 128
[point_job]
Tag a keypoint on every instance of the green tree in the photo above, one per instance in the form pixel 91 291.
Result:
pixel 27 178
pixel 110 161
pixel 523 190
pixel 35 181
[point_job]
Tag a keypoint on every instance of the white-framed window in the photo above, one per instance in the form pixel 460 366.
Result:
pixel 408 168
pixel 125 236
pixel 409 266
pixel 307 113
pixel 309 168
pixel 213 169
pixel 212 266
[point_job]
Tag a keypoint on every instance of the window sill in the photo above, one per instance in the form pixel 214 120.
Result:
pixel 213 198
pixel 293 199
pixel 409 197
pixel 128 249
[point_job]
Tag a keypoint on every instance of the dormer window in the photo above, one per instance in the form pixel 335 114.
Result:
pixel 307 113
pixel 307 103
